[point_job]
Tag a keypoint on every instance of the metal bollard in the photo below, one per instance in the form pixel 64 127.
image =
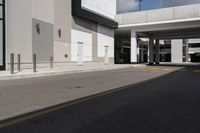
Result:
pixel 34 63
pixel 18 62
pixel 51 62
pixel 12 63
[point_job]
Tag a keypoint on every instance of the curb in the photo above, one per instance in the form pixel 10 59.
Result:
pixel 47 74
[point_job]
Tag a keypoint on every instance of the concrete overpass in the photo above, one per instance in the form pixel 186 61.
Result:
pixel 176 23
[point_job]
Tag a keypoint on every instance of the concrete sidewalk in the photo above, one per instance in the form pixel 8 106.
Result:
pixel 59 68
pixel 21 96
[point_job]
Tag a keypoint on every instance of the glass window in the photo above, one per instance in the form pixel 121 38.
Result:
pixel 1 42
pixel 1 12
pixel 124 6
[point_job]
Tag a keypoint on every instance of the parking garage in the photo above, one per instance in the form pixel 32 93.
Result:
pixel 161 35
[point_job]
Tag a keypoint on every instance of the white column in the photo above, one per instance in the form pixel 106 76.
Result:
pixel 134 47
pixel 157 50
pixel 151 51
pixel 177 50
pixel 187 50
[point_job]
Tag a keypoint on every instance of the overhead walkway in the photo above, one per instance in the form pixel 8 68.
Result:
pixel 176 23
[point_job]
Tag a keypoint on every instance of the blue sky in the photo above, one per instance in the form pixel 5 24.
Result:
pixel 132 5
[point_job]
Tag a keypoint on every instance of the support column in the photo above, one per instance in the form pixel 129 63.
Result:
pixel 142 55
pixel 157 50
pixel 187 50
pixel 177 50
pixel 134 47
pixel 151 51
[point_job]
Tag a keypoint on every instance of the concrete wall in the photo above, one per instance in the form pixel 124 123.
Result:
pixel 159 15
pixel 101 37
pixel 44 16
pixel 86 40
pixel 82 32
pixel 19 29
pixel 42 41
pixel 105 38
pixel 21 35
pixel 62 21
pixel 51 16
pixel 43 10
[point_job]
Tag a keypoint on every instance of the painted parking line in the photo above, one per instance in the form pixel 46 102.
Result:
pixel 161 69
pixel 154 69
pixel 167 69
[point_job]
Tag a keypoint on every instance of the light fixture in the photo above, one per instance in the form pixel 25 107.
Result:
pixel 59 33
pixel 37 26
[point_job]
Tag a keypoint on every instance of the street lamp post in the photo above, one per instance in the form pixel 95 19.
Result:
pixel 140 5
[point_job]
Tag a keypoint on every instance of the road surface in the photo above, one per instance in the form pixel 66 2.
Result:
pixel 169 104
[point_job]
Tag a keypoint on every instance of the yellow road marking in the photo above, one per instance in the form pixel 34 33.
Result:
pixel 196 71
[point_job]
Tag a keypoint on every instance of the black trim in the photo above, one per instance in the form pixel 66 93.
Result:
pixel 4 37
pixel 78 11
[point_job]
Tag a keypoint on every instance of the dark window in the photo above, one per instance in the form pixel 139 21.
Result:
pixel 2 34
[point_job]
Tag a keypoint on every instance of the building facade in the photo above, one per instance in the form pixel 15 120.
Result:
pixel 91 31
pixel 68 30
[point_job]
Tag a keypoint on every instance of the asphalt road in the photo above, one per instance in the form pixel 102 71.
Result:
pixel 169 104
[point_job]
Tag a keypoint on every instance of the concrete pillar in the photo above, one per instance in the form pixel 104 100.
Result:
pixel 187 50
pixel 134 47
pixel 189 58
pixel 177 50
pixel 151 51
pixel 157 50
pixel 142 55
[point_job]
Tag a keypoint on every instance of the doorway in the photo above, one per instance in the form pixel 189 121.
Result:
pixel 80 53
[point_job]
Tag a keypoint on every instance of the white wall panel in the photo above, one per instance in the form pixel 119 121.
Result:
pixel 103 7
pixel 177 51
pixel 105 38
pixel 19 29
pixel 62 20
pixel 60 49
pixel 43 10
pixel 86 39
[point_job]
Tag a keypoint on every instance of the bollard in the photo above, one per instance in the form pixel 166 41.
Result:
pixel 34 63
pixel 12 56
pixel 51 62
pixel 18 62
